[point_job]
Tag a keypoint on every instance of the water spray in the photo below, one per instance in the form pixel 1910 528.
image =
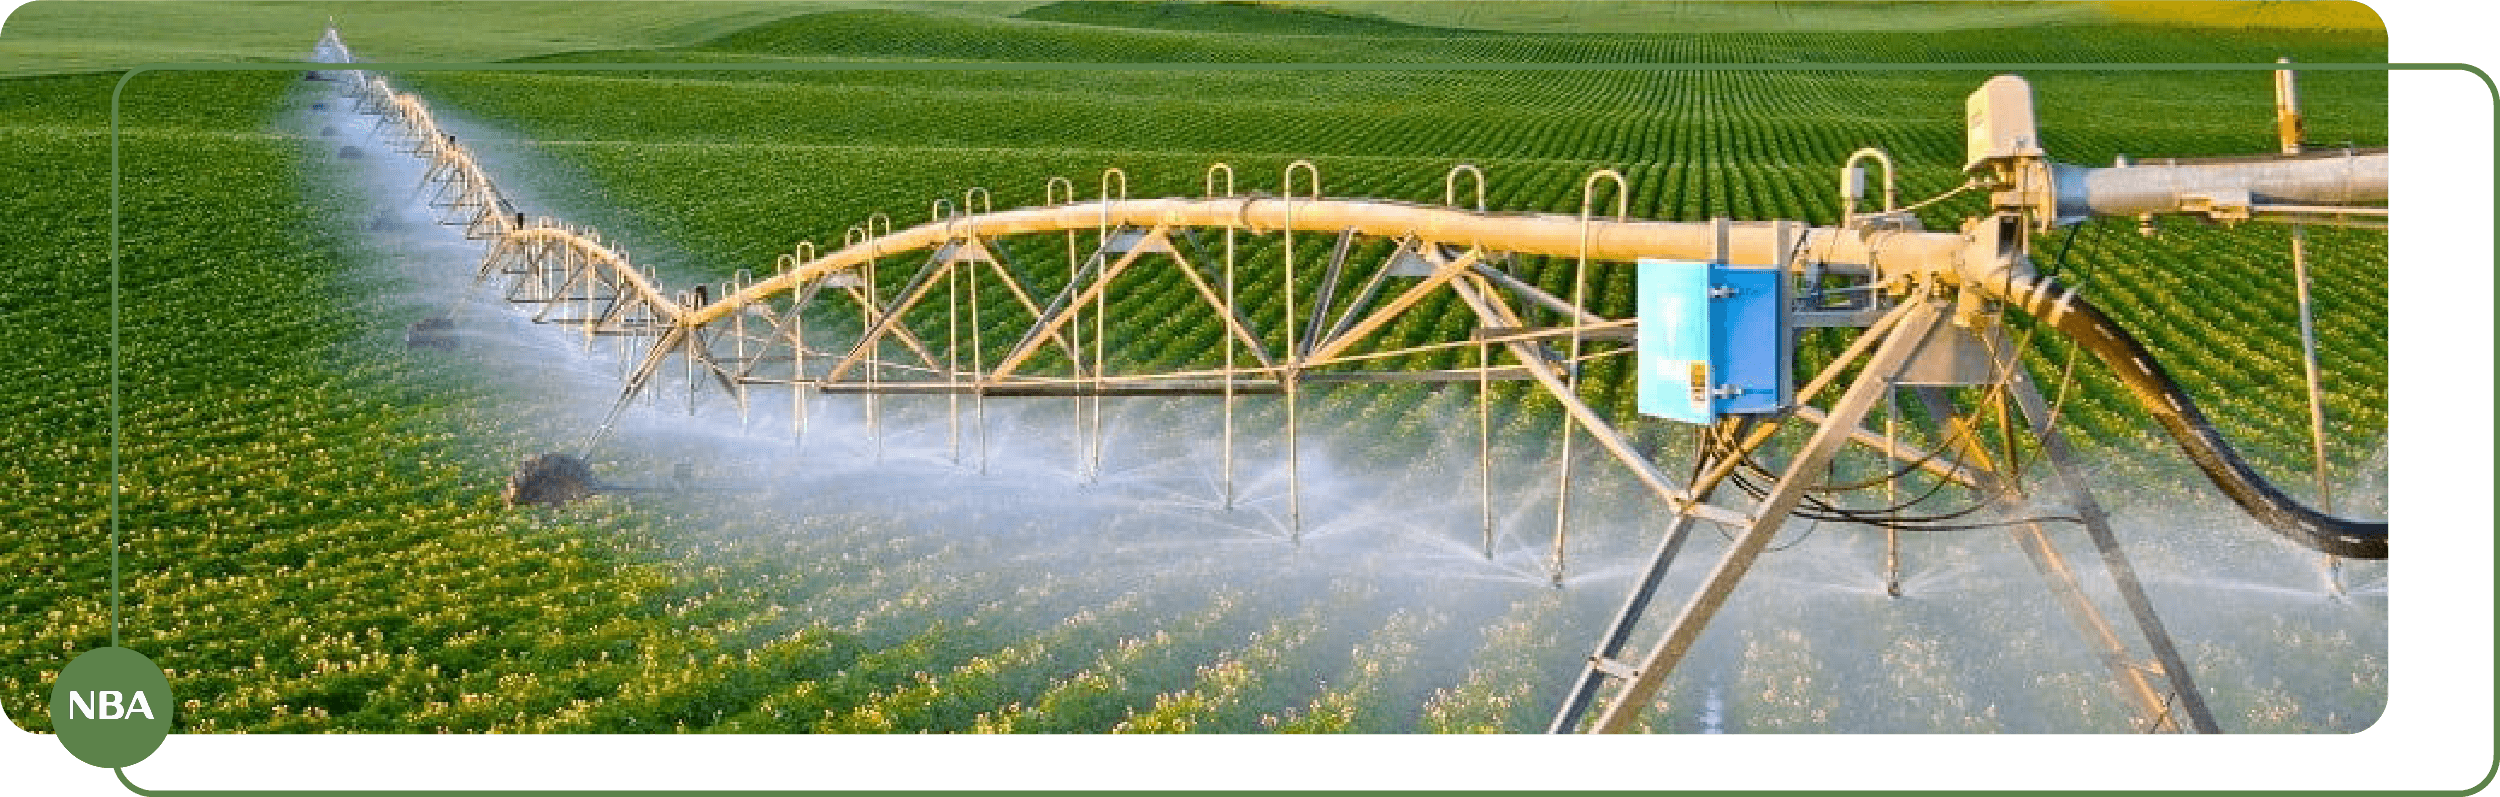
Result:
pixel 1722 302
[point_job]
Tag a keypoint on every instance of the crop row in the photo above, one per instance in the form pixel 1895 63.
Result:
pixel 312 540
pixel 1073 32
pixel 1694 145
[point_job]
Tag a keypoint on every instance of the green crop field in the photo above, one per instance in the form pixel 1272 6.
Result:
pixel 312 532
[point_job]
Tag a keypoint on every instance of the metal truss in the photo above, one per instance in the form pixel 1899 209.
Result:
pixel 821 323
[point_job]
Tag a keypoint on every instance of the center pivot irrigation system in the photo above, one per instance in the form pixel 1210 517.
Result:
pixel 1719 309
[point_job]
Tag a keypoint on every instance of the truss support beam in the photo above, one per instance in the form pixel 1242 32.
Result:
pixel 1016 391
pixel 1605 433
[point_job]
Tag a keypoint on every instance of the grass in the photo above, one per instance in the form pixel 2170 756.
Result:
pixel 61 36
pixel 288 462
pixel 54 36
pixel 1566 16
pixel 2298 15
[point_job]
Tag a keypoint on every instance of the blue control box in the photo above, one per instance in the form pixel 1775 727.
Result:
pixel 1713 340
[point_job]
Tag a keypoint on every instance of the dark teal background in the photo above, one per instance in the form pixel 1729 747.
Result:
pixel 2436 733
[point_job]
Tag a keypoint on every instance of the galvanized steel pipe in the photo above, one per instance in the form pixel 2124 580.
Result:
pixel 2344 179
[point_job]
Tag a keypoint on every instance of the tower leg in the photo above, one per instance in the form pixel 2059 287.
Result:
pixel 2134 684
pixel 2063 473
pixel 1836 429
pixel 1584 692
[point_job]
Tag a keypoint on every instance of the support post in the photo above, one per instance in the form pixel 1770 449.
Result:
pixel 693 340
pixel 980 385
pixel 2317 404
pixel 798 373
pixel 1225 306
pixel 1230 313
pixel 1571 365
pixel 954 370
pixel 1102 311
pixel 1484 439
pixel 876 358
pixel 1076 331
pixel 1290 376
pixel 738 336
pixel 1104 235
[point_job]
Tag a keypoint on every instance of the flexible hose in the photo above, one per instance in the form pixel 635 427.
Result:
pixel 2152 387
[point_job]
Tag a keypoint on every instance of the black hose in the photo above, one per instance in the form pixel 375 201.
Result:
pixel 2088 327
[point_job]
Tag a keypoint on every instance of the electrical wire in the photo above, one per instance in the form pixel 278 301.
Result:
pixel 1718 441
pixel 1957 190
pixel 1819 510
pixel 2059 265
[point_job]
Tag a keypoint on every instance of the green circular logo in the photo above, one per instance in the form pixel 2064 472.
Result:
pixel 112 707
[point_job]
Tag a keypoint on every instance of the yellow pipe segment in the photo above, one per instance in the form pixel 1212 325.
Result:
pixel 660 302
pixel 1526 233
